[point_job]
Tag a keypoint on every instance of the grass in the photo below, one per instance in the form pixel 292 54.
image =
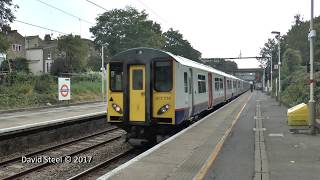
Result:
pixel 24 90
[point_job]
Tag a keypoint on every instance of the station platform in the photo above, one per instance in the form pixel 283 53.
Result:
pixel 246 139
pixel 21 120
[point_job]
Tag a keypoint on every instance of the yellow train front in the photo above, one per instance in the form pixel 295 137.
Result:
pixel 141 93
pixel 153 92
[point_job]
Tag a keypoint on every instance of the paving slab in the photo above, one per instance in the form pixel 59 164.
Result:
pixel 290 156
pixel 25 118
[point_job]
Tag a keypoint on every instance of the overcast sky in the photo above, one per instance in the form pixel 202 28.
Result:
pixel 217 28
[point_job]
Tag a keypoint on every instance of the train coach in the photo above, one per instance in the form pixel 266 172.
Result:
pixel 151 92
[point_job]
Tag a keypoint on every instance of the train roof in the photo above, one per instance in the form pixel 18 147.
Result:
pixel 152 53
pixel 190 63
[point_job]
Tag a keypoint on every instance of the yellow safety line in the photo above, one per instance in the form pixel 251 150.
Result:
pixel 205 168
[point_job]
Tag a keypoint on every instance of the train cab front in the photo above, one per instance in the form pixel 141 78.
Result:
pixel 140 93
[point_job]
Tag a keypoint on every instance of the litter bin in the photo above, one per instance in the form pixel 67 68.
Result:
pixel 298 115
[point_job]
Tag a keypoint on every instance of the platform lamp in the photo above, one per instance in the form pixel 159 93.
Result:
pixel 103 72
pixel 270 58
pixel 277 33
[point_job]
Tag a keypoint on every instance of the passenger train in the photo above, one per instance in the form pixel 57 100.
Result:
pixel 151 92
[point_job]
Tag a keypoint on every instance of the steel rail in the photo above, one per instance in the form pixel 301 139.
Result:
pixel 102 164
pixel 57 146
pixel 27 171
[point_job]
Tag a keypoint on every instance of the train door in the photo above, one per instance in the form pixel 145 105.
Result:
pixel 137 93
pixel 210 89
pixel 191 95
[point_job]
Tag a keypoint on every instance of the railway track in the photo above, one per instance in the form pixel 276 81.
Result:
pixel 15 168
pixel 101 165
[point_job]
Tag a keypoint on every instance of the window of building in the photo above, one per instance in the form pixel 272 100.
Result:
pixel 116 73
pixel 16 47
pixel 185 80
pixel 201 83
pixel 163 76
pixel 47 66
pixel 49 55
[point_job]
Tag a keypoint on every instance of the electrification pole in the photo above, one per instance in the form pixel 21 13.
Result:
pixel 312 110
pixel 279 65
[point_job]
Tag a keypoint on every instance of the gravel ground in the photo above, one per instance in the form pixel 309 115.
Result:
pixel 33 149
pixel 67 170
pixel 8 169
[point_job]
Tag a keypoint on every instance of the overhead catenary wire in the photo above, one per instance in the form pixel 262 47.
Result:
pixel 154 12
pixel 41 27
pixel 97 5
pixel 80 19
pixel 141 2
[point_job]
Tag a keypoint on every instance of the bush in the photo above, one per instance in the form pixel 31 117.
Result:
pixel 43 83
pixel 59 66
pixel 17 65
pixel 87 77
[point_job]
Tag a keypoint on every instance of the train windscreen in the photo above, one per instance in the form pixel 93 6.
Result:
pixel 163 76
pixel 116 76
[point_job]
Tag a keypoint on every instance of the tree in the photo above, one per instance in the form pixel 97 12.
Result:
pixel 6 17
pixel 59 66
pixel 74 52
pixel 6 12
pixel 223 65
pixel 17 65
pixel 120 29
pixel 292 59
pixel 179 46
pixel 94 63
pixel 270 49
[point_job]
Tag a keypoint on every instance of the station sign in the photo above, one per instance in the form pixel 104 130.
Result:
pixel 64 89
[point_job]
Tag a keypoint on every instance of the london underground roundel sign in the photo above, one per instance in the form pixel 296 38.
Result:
pixel 64 89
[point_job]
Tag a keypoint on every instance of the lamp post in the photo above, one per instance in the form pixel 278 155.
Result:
pixel 279 64
pixel 264 79
pixel 312 110
pixel 103 72
pixel 271 67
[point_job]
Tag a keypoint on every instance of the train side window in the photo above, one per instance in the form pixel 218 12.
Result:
pixel 234 84
pixel 202 83
pixel 228 84
pixel 116 73
pixel 163 76
pixel 216 84
pixel 221 83
pixel 137 79
pixel 185 80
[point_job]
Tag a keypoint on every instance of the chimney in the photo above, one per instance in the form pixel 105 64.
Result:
pixel 47 37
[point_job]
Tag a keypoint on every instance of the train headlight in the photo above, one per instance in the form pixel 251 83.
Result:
pixel 116 108
pixel 163 109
